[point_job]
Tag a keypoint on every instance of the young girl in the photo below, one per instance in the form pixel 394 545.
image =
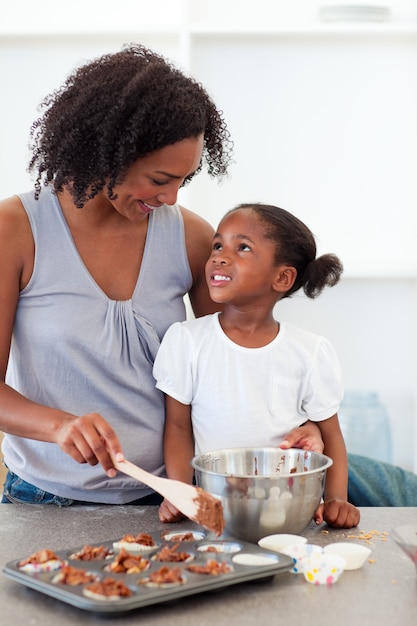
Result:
pixel 241 378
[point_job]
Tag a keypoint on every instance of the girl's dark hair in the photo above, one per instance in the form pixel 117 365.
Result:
pixel 295 245
pixel 114 110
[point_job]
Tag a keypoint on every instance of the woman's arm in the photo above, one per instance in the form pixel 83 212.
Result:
pixel 307 437
pixel 87 438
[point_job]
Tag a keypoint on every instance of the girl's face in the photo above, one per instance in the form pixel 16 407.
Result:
pixel 154 180
pixel 241 268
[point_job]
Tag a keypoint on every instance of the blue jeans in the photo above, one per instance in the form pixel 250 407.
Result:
pixel 18 491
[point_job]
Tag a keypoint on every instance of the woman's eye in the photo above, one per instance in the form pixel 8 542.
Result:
pixel 158 183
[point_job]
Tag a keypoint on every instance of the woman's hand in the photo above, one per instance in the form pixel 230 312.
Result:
pixel 307 437
pixel 90 439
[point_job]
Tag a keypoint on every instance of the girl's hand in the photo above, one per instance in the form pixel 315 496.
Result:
pixel 337 513
pixel 169 513
pixel 90 439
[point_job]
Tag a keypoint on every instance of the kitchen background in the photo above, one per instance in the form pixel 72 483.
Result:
pixel 321 101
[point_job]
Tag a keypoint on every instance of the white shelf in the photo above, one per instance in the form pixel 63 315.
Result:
pixel 86 31
pixel 313 30
pixel 345 29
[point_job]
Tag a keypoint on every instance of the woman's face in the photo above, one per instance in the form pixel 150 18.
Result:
pixel 154 180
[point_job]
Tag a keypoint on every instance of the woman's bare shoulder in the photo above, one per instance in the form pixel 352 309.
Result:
pixel 199 240
pixel 12 212
pixel 14 222
pixel 196 225
pixel 16 240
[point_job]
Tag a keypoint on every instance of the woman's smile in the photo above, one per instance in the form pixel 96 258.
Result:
pixel 146 208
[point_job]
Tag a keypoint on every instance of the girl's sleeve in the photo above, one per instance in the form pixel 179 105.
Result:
pixel 172 369
pixel 324 391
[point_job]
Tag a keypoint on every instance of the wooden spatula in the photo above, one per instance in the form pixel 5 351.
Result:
pixel 193 502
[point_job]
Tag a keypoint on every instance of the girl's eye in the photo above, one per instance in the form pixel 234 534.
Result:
pixel 217 246
pixel 243 247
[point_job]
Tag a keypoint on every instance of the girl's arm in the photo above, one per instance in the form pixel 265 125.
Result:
pixel 338 512
pixel 178 451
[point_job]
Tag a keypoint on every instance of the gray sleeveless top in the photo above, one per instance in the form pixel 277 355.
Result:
pixel 75 349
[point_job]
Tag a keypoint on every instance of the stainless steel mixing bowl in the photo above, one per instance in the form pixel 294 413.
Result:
pixel 263 490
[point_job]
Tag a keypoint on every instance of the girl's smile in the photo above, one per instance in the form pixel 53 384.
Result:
pixel 217 279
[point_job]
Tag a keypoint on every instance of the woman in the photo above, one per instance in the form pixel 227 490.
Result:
pixel 95 265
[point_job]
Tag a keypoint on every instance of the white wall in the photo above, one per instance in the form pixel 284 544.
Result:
pixel 323 119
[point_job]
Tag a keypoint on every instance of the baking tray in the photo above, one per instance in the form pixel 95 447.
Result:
pixel 247 562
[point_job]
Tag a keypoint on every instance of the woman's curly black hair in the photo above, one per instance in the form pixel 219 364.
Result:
pixel 114 110
pixel 295 245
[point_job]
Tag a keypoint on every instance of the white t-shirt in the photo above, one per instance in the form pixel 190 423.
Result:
pixel 244 397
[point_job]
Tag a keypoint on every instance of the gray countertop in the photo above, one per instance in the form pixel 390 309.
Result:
pixel 384 591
